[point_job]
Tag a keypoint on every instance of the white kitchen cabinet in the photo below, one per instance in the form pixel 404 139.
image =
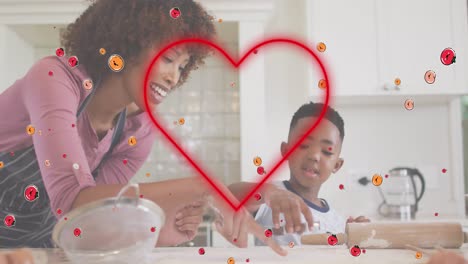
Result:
pixel 350 47
pixel 370 43
pixel 411 36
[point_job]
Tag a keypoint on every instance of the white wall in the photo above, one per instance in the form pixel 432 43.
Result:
pixel 378 137
pixel 44 52
pixel 17 55
pixel 286 77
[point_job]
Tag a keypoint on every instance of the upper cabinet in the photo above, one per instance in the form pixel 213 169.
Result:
pixel 348 30
pixel 390 47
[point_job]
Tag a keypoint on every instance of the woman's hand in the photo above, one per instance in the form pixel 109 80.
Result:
pixel 189 218
pixel 182 225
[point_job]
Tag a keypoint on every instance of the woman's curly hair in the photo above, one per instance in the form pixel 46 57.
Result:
pixel 130 27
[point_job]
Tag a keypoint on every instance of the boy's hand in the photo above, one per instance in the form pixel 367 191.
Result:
pixel 359 219
pixel 291 205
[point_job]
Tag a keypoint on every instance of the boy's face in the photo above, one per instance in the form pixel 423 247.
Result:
pixel 318 155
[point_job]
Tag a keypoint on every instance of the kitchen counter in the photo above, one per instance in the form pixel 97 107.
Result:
pixel 259 255
pixel 263 255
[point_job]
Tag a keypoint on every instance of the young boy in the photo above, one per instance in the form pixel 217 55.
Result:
pixel 311 164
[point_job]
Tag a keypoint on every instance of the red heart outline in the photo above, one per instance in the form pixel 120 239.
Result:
pixel 236 65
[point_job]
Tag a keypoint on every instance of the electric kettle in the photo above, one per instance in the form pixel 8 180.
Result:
pixel 399 194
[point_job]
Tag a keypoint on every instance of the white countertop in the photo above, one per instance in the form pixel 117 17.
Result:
pixel 263 255
pixel 302 254
pixel 259 255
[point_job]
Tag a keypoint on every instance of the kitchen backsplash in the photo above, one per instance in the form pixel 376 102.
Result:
pixel 209 106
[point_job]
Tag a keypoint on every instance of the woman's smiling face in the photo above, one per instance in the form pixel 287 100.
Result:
pixel 164 77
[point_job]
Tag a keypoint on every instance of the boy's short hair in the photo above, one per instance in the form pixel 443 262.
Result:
pixel 313 109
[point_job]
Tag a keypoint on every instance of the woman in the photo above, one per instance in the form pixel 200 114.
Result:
pixel 77 141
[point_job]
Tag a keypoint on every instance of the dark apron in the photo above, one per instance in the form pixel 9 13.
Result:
pixel 34 221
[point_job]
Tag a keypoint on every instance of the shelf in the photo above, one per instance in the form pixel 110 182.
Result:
pixel 390 98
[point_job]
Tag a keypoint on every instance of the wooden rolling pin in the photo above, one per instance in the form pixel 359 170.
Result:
pixel 395 235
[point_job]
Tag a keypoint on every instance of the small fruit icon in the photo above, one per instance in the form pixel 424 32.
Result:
pixel 321 47
pixel 409 104
pixel 377 180
pixel 258 196
pixel 261 170
pixel 448 56
pixel 175 12
pixel 77 232
pixel 397 81
pixel 9 220
pixel 355 251
pixel 257 161
pixel 31 193
pixel 332 240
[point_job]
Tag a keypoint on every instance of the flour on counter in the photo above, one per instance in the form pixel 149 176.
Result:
pixel 372 242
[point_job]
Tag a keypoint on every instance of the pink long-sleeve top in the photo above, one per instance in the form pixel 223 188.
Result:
pixel 48 97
